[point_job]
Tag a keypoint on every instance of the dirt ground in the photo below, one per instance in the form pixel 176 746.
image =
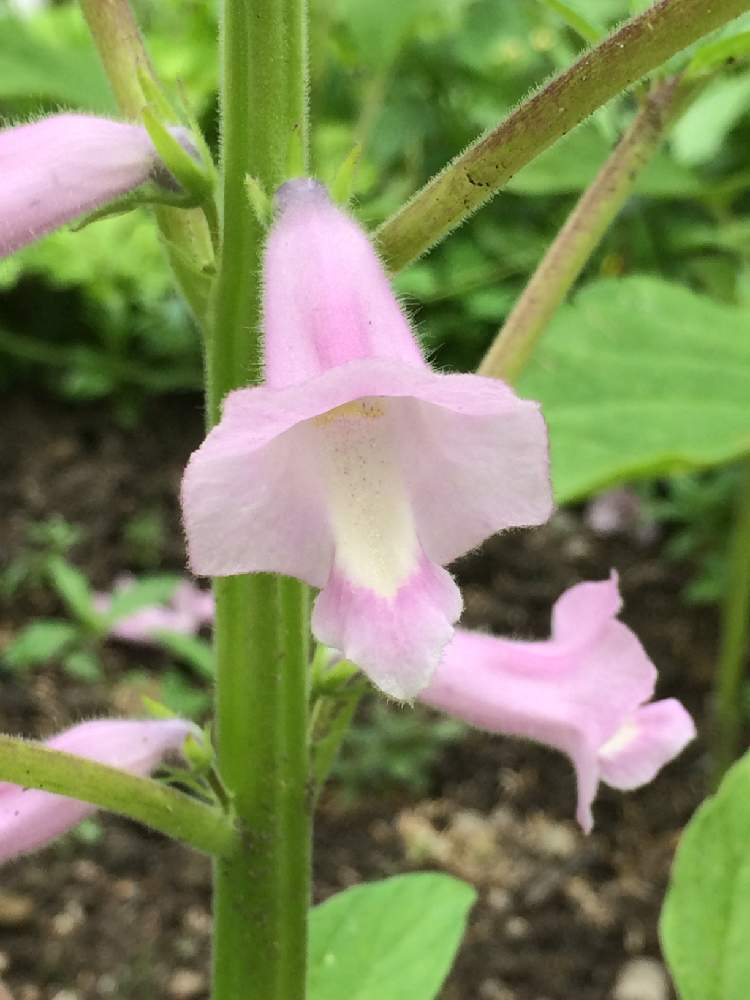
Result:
pixel 560 915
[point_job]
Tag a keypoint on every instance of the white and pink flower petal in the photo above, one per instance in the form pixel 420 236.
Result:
pixel 397 639
pixel 645 743
pixel 585 698
pixel 356 466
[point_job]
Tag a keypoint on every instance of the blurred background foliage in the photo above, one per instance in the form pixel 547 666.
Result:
pixel 92 315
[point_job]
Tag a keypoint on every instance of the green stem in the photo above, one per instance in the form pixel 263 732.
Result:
pixel 735 637
pixel 165 809
pixel 579 237
pixel 186 233
pixel 262 888
pixel 638 47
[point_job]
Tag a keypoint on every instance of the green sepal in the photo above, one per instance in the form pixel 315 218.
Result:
pixel 149 194
pixel 342 186
pixel 156 709
pixel 153 94
pixel 199 755
pixel 190 175
pixel 260 202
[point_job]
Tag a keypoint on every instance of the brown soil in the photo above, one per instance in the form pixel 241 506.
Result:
pixel 559 915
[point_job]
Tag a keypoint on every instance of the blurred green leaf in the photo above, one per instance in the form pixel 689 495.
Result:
pixel 142 593
pixel 83 665
pixel 74 589
pixel 183 698
pixel 195 652
pixel 380 30
pixel 571 164
pixel 396 938
pixel 39 642
pixel 705 922
pixel 49 56
pixel 711 56
pixel 639 377
pixel 587 29
pixel 698 135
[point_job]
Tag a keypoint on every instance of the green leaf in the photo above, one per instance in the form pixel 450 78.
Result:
pixel 394 939
pixel 74 589
pixel 197 653
pixel 190 174
pixel 39 642
pixel 588 30
pixel 143 593
pixel 705 922
pixel 640 377
pixel 572 163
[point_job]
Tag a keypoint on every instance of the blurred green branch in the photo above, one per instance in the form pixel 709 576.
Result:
pixel 583 230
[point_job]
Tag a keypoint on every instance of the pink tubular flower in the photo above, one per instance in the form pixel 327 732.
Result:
pixel 58 168
pixel 188 611
pixel 583 691
pixel 356 467
pixel 30 818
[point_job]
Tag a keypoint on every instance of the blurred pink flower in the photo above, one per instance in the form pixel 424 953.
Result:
pixel 30 818
pixel 189 610
pixel 356 467
pixel 584 691
pixel 59 168
pixel 621 511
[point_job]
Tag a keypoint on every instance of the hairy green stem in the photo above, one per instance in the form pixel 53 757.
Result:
pixel 735 637
pixel 165 809
pixel 186 232
pixel 262 889
pixel 582 232
pixel 637 48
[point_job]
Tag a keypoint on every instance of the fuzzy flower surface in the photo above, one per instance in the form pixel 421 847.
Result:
pixel 355 466
pixel 64 166
pixel 585 691
pixel 30 818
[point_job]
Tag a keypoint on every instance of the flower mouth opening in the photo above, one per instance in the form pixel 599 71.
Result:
pixel 369 507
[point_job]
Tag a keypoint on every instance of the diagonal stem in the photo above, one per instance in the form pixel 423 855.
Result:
pixel 638 47
pixel 582 232
pixel 185 231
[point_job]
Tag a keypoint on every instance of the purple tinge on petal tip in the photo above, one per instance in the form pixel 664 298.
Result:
pixel 299 190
